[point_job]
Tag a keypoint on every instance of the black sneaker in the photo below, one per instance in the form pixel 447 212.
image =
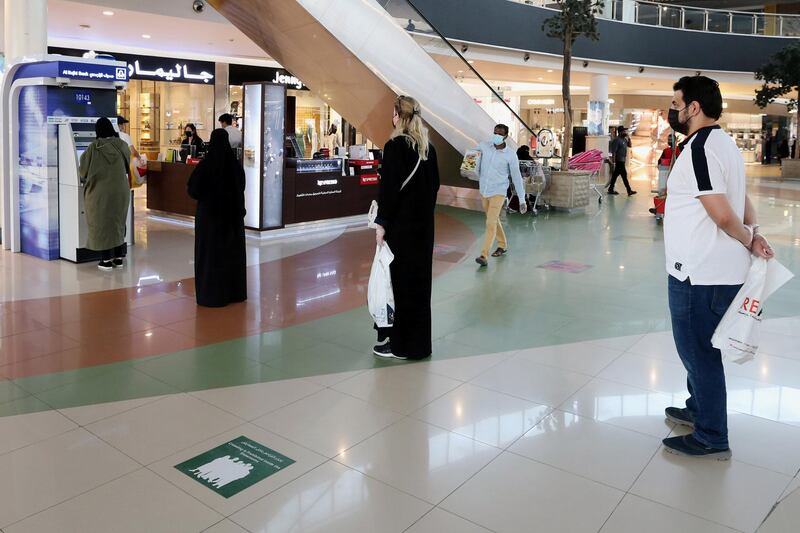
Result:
pixel 482 261
pixel 385 351
pixel 614 193
pixel 631 193
pixel 105 265
pixel 679 416
pixel 688 446
pixel 117 262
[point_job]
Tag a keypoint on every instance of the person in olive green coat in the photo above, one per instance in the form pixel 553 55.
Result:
pixel 106 194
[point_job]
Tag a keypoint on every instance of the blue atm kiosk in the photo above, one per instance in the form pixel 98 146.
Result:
pixel 49 108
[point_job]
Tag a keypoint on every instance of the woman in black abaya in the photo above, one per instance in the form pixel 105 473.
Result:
pixel 219 253
pixel 406 201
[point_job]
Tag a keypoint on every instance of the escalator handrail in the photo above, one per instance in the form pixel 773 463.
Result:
pixel 469 65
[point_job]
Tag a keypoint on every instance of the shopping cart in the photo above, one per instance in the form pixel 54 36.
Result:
pixel 593 161
pixel 536 178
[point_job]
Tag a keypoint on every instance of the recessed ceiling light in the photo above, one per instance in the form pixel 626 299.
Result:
pixel 540 78
pixel 549 70
pixel 146 36
pixel 613 84
pixel 627 77
pixel 108 13
pixel 471 62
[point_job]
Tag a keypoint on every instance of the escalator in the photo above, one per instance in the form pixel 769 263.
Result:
pixel 358 55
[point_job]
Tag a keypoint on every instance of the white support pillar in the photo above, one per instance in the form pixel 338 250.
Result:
pixel 598 113
pixel 25 27
pixel 222 100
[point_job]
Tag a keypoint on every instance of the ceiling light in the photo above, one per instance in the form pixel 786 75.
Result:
pixel 471 62
pixel 549 70
pixel 627 77
pixel 108 13
pixel 146 36
pixel 540 78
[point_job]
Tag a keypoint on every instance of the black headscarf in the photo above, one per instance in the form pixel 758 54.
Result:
pixel 524 153
pixel 219 178
pixel 104 129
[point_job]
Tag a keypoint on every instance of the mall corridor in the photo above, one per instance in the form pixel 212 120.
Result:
pixel 549 399
pixel 155 155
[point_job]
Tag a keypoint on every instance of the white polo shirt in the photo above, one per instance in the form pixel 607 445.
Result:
pixel 234 136
pixel 696 248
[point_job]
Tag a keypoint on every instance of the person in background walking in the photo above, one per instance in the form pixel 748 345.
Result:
pixel 219 251
pixel 406 202
pixel 619 157
pixel 106 194
pixel 498 162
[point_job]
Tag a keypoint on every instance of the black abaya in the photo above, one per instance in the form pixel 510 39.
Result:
pixel 407 216
pixel 219 243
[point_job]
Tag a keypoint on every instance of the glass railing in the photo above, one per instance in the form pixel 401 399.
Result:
pixel 694 18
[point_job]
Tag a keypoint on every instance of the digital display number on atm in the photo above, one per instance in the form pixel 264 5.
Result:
pixel 83 97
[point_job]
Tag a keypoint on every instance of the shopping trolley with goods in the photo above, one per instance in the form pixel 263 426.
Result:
pixel 535 178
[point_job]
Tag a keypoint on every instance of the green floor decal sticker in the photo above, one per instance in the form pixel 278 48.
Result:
pixel 234 466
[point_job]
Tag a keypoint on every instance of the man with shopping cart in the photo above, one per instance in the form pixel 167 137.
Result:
pixel 498 162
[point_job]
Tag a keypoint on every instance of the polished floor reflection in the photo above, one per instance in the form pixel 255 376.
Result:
pixel 541 410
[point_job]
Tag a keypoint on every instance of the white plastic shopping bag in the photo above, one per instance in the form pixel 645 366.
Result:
pixel 471 166
pixel 737 335
pixel 380 296
pixel 372 215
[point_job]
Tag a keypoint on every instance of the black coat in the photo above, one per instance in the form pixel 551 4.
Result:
pixel 407 216
pixel 219 242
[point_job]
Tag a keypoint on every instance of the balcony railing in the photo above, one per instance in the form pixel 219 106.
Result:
pixel 694 18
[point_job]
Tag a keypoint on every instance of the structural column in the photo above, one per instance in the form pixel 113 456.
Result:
pixel 598 114
pixel 25 28
pixel 222 100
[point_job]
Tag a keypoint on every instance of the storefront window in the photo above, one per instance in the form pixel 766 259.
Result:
pixel 158 112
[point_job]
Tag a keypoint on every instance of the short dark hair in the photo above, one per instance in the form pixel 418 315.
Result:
pixel 704 91
pixel 502 127
pixel 226 118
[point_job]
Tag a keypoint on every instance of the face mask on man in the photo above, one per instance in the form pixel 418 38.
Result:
pixel 498 139
pixel 674 118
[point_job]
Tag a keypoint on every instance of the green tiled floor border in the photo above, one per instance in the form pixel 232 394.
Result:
pixel 512 305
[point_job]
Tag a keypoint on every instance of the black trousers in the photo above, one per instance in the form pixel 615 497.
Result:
pixel 619 171
pixel 112 253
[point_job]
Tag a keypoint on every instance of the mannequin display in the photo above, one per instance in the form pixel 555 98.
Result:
pixel 332 139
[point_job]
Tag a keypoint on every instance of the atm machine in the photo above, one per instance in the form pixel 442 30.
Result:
pixel 48 108
pixel 74 137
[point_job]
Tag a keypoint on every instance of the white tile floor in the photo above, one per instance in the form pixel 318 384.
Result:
pixel 562 439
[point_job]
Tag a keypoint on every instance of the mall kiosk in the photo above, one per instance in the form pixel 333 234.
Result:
pixel 49 108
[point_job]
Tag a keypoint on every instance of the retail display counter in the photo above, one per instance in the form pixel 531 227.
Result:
pixel 166 188
pixel 320 189
pixel 313 189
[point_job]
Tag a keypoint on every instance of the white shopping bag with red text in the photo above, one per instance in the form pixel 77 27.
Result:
pixel 737 335
pixel 380 295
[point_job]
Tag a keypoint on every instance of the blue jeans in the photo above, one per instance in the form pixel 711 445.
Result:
pixel 696 311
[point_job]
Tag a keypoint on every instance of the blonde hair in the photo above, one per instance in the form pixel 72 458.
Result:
pixel 410 125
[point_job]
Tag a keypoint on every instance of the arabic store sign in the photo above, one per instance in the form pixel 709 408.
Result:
pixel 157 68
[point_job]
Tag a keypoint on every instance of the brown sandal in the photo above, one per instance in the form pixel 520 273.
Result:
pixel 499 252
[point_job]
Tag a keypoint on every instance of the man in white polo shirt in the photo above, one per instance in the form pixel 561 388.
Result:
pixel 710 231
